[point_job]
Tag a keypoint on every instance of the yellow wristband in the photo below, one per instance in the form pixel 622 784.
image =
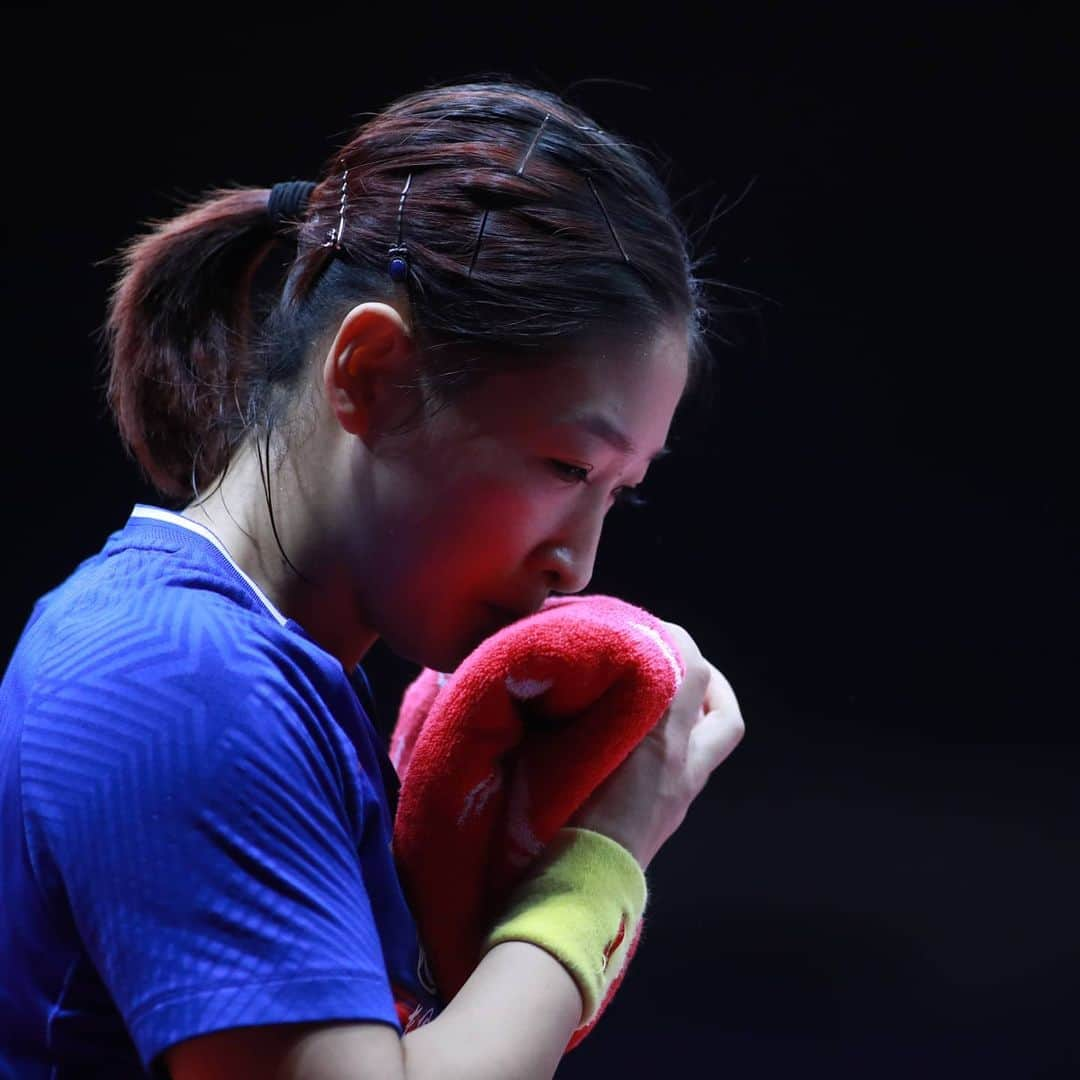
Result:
pixel 582 903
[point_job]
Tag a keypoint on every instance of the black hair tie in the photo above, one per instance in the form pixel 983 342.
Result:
pixel 288 201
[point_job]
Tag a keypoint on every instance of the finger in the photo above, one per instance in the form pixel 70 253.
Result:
pixel 687 646
pixel 688 704
pixel 719 694
pixel 712 740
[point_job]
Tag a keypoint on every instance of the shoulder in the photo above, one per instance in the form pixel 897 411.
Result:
pixel 175 667
pixel 156 614
pixel 157 650
pixel 196 719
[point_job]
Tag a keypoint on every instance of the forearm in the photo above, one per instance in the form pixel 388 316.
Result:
pixel 510 1021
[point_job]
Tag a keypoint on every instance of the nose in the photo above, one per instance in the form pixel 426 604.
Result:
pixel 568 559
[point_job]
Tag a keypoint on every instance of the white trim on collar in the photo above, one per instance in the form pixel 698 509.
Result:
pixel 157 513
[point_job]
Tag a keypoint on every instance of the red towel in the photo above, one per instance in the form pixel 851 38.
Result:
pixel 496 757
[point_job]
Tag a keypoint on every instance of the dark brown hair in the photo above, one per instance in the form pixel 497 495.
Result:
pixel 213 316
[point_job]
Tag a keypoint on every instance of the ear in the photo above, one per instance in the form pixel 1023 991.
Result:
pixel 372 351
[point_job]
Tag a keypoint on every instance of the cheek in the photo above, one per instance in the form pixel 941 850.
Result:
pixel 474 509
pixel 494 523
pixel 495 511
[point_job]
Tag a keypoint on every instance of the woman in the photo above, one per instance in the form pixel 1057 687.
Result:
pixel 395 402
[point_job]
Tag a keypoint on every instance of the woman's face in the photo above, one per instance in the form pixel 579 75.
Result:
pixel 499 499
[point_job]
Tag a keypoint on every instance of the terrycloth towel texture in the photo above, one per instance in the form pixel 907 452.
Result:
pixel 497 756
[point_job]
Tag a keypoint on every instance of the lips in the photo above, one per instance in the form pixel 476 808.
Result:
pixel 505 616
pixel 508 615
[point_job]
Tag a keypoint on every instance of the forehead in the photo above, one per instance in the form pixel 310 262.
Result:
pixel 634 382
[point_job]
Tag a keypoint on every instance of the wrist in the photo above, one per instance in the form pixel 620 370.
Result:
pixel 583 903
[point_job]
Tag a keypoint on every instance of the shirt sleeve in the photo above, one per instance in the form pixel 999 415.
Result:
pixel 205 825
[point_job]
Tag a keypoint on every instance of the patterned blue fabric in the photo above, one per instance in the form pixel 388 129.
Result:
pixel 195 824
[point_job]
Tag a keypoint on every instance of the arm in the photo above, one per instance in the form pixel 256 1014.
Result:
pixel 510 1021
pixel 518 1010
pixel 512 1018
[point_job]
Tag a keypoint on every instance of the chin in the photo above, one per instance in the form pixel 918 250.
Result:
pixel 447 653
pixel 438 655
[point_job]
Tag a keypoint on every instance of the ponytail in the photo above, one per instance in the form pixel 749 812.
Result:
pixel 179 331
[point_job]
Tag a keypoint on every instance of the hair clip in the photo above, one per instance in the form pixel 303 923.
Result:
pixel 532 145
pixel 520 172
pixel 611 228
pixel 399 253
pixel 334 237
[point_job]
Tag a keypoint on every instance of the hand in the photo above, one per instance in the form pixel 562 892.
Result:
pixel 643 802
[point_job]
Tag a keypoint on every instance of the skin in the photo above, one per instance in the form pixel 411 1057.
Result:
pixel 413 536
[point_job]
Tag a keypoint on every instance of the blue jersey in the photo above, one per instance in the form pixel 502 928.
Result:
pixel 196 817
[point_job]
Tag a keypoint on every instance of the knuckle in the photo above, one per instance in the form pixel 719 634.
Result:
pixel 685 641
pixel 698 677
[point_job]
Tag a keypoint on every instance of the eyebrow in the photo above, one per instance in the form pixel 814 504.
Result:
pixel 599 425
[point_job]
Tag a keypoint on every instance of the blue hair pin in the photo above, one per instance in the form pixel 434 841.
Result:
pixel 399 254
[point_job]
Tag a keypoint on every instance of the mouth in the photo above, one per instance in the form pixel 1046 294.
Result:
pixel 505 616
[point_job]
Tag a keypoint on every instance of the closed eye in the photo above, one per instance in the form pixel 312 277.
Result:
pixel 571 473
pixel 578 474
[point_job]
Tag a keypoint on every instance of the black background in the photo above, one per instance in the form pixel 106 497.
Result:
pixel 872 530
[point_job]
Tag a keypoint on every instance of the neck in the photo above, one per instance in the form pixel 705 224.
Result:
pixel 316 590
